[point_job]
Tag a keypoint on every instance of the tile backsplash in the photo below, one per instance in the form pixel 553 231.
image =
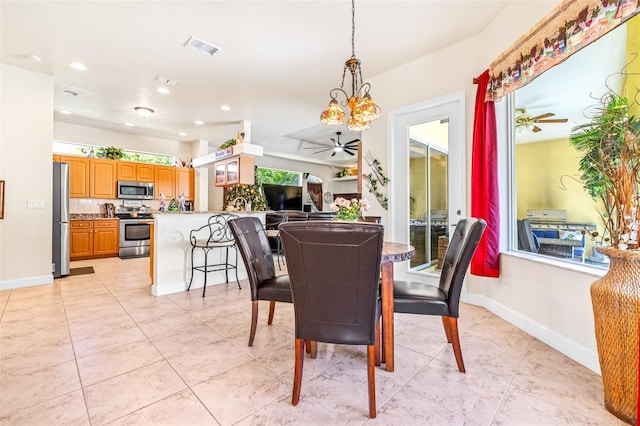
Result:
pixel 96 205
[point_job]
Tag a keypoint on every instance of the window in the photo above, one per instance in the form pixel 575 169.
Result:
pixel 278 177
pixel 62 147
pixel 554 215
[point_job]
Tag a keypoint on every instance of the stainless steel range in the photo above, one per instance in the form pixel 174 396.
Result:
pixel 135 229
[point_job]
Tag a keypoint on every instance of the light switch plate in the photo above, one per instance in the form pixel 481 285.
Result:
pixel 35 204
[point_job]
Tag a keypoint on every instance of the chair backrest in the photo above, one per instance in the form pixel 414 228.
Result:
pixel 334 268
pixel 273 220
pixel 215 231
pixel 295 215
pixel 322 216
pixel 253 244
pixel 527 240
pixel 462 245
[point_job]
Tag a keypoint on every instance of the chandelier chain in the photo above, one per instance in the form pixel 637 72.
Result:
pixel 353 28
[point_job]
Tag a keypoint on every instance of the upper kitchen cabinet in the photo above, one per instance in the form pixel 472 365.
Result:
pixel 234 171
pixel 185 182
pixel 79 172
pixel 137 172
pixel 103 178
pixel 165 181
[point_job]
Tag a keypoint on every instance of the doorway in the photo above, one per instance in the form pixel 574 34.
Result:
pixel 428 141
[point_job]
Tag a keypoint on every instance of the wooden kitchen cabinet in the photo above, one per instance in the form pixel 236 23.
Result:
pixel 79 173
pixel 136 172
pixel 105 237
pixel 103 178
pixel 81 239
pixel 185 182
pixel 234 171
pixel 165 182
pixel 92 239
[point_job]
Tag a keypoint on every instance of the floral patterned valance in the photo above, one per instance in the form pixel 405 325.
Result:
pixel 571 26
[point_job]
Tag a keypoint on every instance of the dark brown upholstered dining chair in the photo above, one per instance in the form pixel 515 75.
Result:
pixel 334 268
pixel 444 300
pixel 253 244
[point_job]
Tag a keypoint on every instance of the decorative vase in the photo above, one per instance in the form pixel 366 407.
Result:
pixel 616 311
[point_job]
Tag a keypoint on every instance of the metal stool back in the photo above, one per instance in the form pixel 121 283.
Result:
pixel 216 234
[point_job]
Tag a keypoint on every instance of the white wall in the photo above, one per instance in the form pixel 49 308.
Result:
pixel 25 166
pixel 102 137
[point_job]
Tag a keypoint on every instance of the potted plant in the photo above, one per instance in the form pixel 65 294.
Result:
pixel 610 167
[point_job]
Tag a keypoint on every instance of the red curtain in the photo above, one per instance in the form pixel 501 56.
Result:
pixel 485 200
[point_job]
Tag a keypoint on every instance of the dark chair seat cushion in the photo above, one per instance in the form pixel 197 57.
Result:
pixel 409 298
pixel 277 289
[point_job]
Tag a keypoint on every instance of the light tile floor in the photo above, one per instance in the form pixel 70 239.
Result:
pixel 99 349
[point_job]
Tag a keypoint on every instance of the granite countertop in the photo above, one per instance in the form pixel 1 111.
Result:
pixel 89 216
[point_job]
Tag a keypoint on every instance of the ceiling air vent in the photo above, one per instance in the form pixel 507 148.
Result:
pixel 201 46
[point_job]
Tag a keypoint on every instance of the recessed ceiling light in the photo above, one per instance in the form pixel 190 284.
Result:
pixel 128 124
pixel 163 90
pixel 65 112
pixel 201 46
pixel 225 107
pixel 34 58
pixel 78 66
pixel 70 93
pixel 182 134
pixel 166 80
pixel 199 122
pixel 144 111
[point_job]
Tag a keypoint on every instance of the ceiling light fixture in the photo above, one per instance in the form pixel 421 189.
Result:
pixel 144 112
pixel 65 112
pixel 199 122
pixel 225 107
pixel 128 124
pixel 182 134
pixel 162 90
pixel 34 58
pixel 363 109
pixel 201 46
pixel 78 66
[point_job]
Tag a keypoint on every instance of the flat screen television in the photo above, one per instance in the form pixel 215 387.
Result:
pixel 283 197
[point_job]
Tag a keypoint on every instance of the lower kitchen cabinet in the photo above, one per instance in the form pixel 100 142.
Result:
pixel 94 238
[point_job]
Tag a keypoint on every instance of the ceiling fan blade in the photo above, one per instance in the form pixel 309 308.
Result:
pixel 352 141
pixel 350 152
pixel 351 145
pixel 536 129
pixel 334 154
pixel 553 120
pixel 538 117
pixel 323 150
pixel 322 145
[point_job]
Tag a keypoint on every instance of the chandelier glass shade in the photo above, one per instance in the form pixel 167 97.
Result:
pixel 363 108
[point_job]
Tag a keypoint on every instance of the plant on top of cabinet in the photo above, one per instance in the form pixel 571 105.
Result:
pixel 112 153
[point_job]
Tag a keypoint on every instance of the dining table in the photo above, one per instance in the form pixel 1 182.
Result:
pixel 391 253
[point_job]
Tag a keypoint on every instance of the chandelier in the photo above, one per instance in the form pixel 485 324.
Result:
pixel 363 109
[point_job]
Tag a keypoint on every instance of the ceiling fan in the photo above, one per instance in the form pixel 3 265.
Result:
pixel 526 121
pixel 350 147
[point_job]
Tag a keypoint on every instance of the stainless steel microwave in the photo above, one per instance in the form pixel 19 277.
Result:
pixel 128 190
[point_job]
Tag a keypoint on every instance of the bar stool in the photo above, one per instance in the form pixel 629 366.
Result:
pixel 216 234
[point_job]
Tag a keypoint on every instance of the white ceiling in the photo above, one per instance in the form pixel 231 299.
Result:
pixel 276 64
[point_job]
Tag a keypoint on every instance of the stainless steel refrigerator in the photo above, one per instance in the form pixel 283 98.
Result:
pixel 60 206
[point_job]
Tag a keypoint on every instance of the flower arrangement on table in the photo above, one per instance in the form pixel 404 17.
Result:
pixel 350 210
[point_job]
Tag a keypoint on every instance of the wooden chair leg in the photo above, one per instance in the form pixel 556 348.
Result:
pixel 455 341
pixel 297 372
pixel 254 321
pixel 378 344
pixel 447 331
pixel 314 349
pixel 308 346
pixel 272 309
pixel 371 374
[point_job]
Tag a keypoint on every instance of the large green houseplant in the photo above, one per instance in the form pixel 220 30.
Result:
pixel 610 167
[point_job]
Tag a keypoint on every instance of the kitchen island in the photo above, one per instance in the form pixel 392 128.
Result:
pixel 171 252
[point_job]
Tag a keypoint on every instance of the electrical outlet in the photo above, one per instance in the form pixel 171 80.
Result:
pixel 35 204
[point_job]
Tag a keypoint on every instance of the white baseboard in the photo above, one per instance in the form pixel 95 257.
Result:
pixel 26 282
pixel 561 343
